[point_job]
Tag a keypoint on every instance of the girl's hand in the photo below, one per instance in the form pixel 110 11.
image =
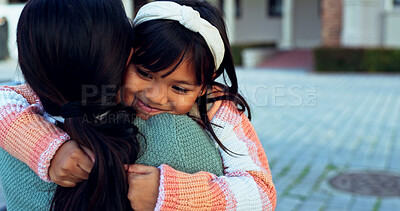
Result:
pixel 71 164
pixel 143 186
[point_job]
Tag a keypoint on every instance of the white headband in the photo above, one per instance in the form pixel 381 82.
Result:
pixel 189 18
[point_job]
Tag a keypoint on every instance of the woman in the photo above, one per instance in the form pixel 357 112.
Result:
pixel 65 46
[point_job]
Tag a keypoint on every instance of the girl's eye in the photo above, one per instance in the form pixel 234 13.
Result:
pixel 143 74
pixel 180 89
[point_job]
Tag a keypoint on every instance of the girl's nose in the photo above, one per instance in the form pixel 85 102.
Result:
pixel 157 95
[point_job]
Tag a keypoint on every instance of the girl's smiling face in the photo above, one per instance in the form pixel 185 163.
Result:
pixel 151 93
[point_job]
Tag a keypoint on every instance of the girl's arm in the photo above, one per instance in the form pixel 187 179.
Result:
pixel 27 132
pixel 246 185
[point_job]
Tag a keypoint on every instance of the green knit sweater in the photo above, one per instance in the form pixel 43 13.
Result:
pixel 171 139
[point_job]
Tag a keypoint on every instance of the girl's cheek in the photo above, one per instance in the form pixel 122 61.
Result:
pixel 118 96
pixel 126 96
pixel 184 105
pixel 127 99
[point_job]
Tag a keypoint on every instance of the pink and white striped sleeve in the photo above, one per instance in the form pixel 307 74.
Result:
pixel 24 131
pixel 247 182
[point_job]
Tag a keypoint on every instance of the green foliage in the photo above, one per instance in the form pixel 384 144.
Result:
pixel 382 60
pixel 357 59
pixel 377 204
pixel 338 59
pixel 237 54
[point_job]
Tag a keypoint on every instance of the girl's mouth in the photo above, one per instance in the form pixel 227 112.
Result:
pixel 145 108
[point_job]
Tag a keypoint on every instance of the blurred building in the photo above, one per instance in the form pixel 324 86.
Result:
pixel 11 10
pixel 361 23
pixel 287 24
pixel 310 23
pixel 3 38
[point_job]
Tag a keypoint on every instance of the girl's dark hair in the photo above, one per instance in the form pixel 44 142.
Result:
pixel 74 52
pixel 160 43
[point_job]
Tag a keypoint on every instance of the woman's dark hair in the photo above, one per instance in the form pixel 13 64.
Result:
pixel 159 44
pixel 73 55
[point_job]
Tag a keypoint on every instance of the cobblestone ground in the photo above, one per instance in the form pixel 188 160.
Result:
pixel 314 126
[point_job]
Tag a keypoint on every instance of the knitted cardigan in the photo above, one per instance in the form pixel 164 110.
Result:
pixel 186 148
pixel 179 142
pixel 246 183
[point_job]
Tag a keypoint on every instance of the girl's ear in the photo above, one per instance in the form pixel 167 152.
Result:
pixel 203 91
pixel 129 58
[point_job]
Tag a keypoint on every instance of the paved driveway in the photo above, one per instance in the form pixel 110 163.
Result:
pixel 314 126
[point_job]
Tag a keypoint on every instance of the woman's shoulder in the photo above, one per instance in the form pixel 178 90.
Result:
pixel 180 142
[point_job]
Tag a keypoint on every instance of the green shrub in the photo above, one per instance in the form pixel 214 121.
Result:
pixel 338 59
pixel 357 59
pixel 237 54
pixel 381 60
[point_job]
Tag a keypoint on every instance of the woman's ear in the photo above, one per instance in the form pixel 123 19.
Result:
pixel 129 58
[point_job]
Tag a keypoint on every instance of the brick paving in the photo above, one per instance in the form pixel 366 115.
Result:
pixel 314 126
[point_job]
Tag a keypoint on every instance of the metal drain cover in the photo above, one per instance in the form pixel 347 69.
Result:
pixel 372 183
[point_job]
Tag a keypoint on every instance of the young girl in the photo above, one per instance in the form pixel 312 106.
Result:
pixel 179 51
pixel 180 48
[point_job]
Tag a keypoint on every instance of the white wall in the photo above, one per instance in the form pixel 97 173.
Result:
pixel 306 23
pixel 230 23
pixel 128 4
pixel 12 12
pixel 392 29
pixel 362 23
pixel 254 26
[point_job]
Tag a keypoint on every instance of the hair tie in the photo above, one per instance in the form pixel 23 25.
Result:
pixel 72 109
pixel 187 17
